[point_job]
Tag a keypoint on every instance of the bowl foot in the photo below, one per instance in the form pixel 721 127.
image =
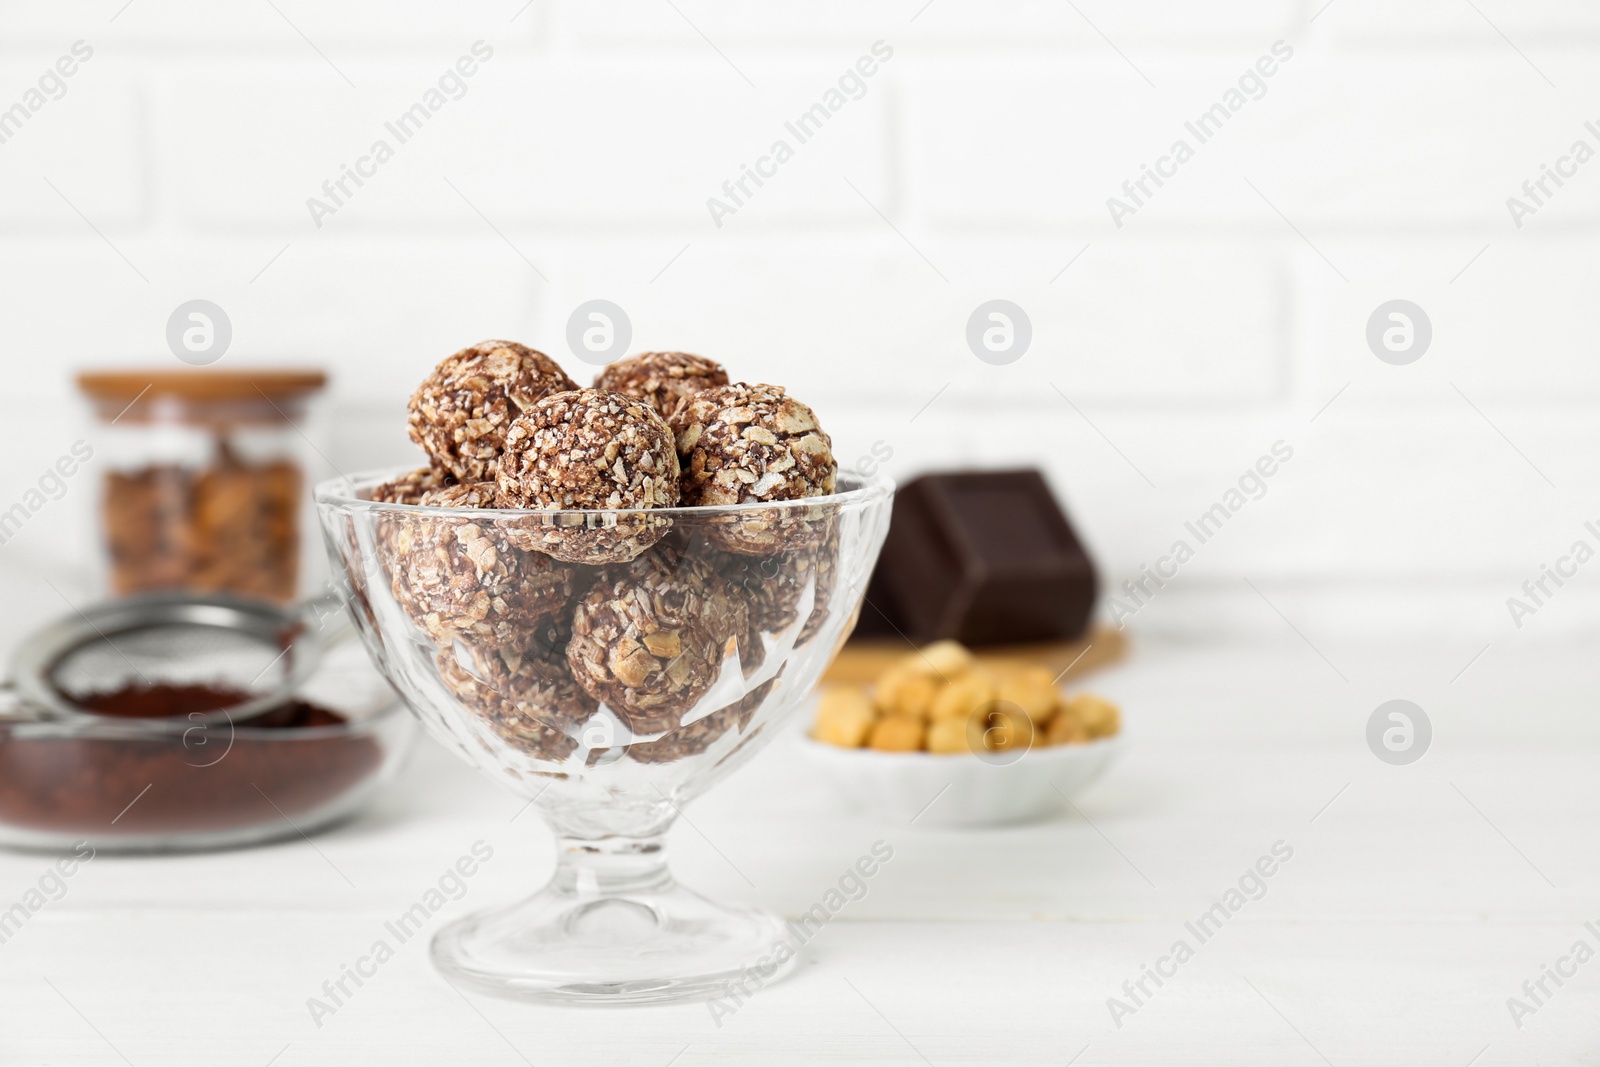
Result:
pixel 655 946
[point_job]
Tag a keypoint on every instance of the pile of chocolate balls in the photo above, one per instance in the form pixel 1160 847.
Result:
pixel 587 592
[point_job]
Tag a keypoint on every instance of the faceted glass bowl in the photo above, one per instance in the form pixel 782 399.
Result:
pixel 693 651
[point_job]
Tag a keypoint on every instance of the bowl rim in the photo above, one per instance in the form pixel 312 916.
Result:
pixel 340 492
pixel 929 759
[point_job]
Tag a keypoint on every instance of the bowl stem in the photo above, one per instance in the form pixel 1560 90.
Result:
pixel 613 926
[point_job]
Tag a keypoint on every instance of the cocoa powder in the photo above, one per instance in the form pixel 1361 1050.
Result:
pixel 197 778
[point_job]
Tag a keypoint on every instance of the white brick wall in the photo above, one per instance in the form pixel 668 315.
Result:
pixel 1538 22
pixel 357 25
pixel 1189 339
pixel 960 24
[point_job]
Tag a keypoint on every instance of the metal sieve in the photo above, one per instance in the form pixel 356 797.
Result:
pixel 258 650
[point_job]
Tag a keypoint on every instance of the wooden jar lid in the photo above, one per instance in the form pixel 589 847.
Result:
pixel 201 385
pixel 201 396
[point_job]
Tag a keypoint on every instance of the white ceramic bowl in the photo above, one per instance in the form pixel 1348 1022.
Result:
pixel 962 790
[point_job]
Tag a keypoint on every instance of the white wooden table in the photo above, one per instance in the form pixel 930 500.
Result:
pixel 1418 899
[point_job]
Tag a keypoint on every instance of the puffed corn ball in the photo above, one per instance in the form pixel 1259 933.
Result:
pixel 943 659
pixel 963 696
pixel 905 692
pixel 896 733
pixel 1064 728
pixel 1033 690
pixel 844 718
pixel 1004 727
pixel 948 736
pixel 1099 716
pixel 941 699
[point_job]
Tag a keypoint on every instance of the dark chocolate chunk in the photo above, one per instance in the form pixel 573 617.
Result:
pixel 986 558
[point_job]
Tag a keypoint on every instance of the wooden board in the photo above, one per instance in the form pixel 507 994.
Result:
pixel 861 662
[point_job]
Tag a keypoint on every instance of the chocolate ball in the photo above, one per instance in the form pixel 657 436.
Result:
pixel 701 734
pixel 739 596
pixel 410 487
pixel 460 576
pixel 587 450
pixel 685 741
pixel 825 569
pixel 650 636
pixel 744 444
pixel 745 708
pixel 529 699
pixel 459 495
pixel 770 585
pixel 733 606
pixel 461 412
pixel 661 379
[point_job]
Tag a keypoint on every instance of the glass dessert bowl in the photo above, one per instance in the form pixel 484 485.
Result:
pixel 609 666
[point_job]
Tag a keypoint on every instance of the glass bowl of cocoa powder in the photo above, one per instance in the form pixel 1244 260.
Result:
pixel 153 770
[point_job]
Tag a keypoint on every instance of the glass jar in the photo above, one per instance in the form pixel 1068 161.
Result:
pixel 205 480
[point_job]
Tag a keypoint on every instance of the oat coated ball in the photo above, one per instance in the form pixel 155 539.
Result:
pixel 701 734
pixel 825 569
pixel 587 450
pixel 744 444
pixel 685 741
pixel 770 585
pixel 460 495
pixel 747 706
pixel 528 699
pixel 460 576
pixel 773 586
pixel 731 608
pixel 461 412
pixel 410 487
pixel 661 379
pixel 650 636
pixel 744 598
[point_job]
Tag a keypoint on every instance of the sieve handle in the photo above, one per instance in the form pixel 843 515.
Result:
pixel 322 622
pixel 318 624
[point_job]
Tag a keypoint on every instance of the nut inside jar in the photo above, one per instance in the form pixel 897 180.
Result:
pixel 206 494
